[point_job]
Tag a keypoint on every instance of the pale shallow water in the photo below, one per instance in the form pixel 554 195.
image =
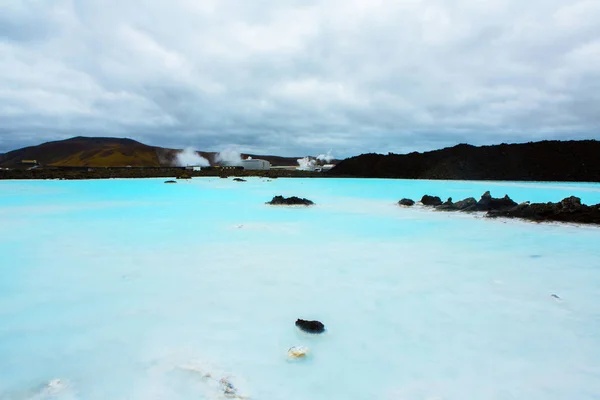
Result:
pixel 133 289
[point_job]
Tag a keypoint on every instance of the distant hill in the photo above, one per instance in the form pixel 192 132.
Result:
pixel 534 161
pixel 108 152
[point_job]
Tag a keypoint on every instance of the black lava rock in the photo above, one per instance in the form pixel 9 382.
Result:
pixel 467 204
pixel 431 200
pixel 171 181
pixel 310 326
pixel 489 203
pixel 290 201
pixel 239 180
pixel 569 209
pixel 406 202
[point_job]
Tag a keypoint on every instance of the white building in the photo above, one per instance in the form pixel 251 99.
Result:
pixel 253 164
pixel 193 168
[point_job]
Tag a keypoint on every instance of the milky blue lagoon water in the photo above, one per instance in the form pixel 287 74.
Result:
pixel 133 289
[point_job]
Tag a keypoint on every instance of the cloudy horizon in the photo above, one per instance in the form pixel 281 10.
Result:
pixel 300 77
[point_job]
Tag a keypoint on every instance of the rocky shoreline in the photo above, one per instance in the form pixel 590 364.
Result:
pixel 569 209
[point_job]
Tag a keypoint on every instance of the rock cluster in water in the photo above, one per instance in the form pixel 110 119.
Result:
pixel 310 326
pixel 567 210
pixel 290 201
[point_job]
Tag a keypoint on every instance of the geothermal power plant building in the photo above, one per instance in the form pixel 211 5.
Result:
pixel 256 165
pixel 251 164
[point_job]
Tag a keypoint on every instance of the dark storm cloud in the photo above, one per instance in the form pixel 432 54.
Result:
pixel 300 77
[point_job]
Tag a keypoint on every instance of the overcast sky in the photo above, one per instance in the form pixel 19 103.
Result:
pixel 300 77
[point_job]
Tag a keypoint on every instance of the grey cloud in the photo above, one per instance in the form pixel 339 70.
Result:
pixel 302 77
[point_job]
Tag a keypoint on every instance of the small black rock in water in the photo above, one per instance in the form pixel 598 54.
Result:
pixel 431 201
pixel 170 181
pixel 310 326
pixel 406 202
pixel 239 180
pixel 555 296
pixel 290 201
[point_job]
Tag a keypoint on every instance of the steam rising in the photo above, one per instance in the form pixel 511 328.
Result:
pixel 229 157
pixel 310 164
pixel 306 164
pixel 189 157
pixel 326 157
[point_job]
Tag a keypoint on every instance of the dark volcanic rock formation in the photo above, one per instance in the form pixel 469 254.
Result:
pixel 406 202
pixel 489 203
pixel 431 200
pixel 567 210
pixel 539 161
pixel 310 326
pixel 290 201
pixel 239 180
pixel 462 205
pixel 171 181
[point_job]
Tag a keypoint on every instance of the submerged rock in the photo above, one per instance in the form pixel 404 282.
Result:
pixel 406 202
pixel 228 389
pixel 239 180
pixel 569 209
pixel 171 181
pixel 310 326
pixel 431 200
pixel 298 352
pixel 290 201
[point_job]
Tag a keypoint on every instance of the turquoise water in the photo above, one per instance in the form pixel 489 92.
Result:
pixel 133 289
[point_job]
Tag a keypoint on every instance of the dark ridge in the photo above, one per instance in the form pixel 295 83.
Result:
pixel 533 161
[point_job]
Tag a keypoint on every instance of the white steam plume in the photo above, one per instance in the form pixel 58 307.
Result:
pixel 326 157
pixel 229 157
pixel 306 164
pixel 189 157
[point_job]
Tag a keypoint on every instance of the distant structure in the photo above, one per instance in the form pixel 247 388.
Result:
pixel 193 168
pixel 325 167
pixel 254 164
pixel 249 164
pixel 31 164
